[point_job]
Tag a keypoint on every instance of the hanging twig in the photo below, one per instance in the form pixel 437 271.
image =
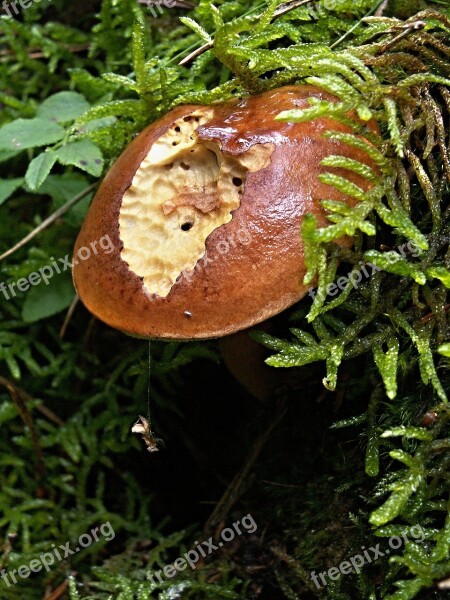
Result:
pixel 143 428
pixel 51 219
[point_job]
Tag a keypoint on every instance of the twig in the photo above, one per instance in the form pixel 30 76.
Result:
pixel 69 315
pixel 347 33
pixel 285 485
pixel 19 399
pixel 380 10
pixel 407 30
pixel 288 6
pixel 58 592
pixel 51 416
pixel 233 491
pixel 281 10
pixel 196 53
pixel 429 316
pixel 58 213
pixel 36 54
pixel 11 538
pixel 444 584
pixel 295 565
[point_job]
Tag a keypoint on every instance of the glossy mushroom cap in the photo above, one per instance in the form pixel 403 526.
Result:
pixel 202 212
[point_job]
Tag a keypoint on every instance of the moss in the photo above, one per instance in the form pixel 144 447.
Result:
pixel 351 461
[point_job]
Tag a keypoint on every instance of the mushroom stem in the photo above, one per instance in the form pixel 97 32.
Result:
pixel 244 358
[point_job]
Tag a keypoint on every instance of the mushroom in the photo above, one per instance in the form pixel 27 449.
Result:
pixel 203 210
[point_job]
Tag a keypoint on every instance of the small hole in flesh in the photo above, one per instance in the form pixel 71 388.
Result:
pixel 177 129
pixel 237 181
pixel 169 166
pixel 184 166
pixel 187 226
pixel 175 143
pixel 187 119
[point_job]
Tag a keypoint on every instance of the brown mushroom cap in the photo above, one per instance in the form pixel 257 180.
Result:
pixel 203 210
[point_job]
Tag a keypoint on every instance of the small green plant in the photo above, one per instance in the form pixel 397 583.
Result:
pixel 72 98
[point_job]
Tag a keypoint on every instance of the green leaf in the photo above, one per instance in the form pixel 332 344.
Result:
pixel 29 133
pixel 393 125
pixel 407 589
pixel 84 154
pixel 44 301
pixel 444 349
pixel 387 365
pixel 356 166
pixel 417 433
pixel 138 53
pixel 401 222
pixel 8 412
pixel 393 262
pixel 39 168
pixel 372 461
pixel 97 124
pixel 333 362
pixel 218 21
pixel 63 107
pixel 350 422
pixel 121 80
pixel 421 340
pixel 124 108
pixel 393 505
pixel 319 109
pixel 440 273
pixel 8 187
pixel 442 548
pixel 197 28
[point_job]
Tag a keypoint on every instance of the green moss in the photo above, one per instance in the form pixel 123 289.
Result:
pixel 383 339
